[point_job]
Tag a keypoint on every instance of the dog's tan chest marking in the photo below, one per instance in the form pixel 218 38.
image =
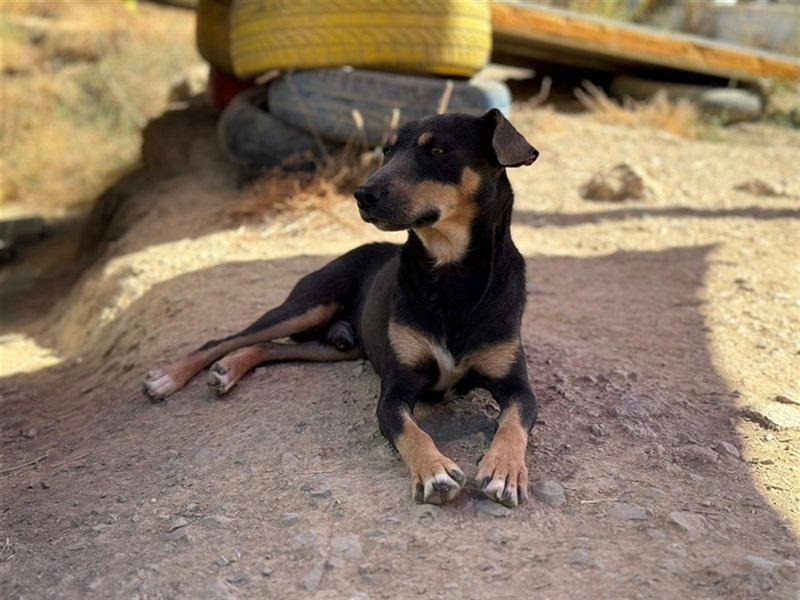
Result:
pixel 413 347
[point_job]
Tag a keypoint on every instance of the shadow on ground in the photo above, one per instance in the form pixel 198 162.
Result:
pixel 142 499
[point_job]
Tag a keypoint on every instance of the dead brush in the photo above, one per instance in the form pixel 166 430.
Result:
pixel 679 118
pixel 296 199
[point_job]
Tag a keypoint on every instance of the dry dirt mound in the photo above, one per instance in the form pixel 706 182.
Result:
pixel 653 327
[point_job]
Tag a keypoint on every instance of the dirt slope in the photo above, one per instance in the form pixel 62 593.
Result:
pixel 656 330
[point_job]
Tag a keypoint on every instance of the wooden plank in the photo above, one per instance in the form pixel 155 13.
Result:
pixel 541 33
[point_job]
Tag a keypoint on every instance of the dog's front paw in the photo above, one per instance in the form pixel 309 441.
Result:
pixel 437 482
pixel 503 479
pixel 158 384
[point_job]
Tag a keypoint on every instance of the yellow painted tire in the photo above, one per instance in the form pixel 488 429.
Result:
pixel 442 37
pixel 214 33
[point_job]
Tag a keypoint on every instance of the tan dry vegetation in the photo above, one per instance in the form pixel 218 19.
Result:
pixel 679 118
pixel 79 79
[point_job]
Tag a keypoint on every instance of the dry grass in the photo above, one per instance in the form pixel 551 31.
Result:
pixel 679 118
pixel 78 83
pixel 300 198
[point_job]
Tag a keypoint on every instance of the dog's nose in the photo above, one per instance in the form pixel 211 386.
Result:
pixel 366 196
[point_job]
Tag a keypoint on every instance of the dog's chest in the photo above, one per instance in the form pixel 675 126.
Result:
pixel 415 349
pixel 451 370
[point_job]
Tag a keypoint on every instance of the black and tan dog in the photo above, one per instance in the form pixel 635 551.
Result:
pixel 441 312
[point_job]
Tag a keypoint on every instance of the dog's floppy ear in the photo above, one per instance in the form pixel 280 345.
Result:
pixel 510 147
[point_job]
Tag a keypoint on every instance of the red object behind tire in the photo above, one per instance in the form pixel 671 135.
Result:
pixel 222 87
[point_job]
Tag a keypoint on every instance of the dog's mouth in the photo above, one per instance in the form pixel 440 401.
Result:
pixel 427 219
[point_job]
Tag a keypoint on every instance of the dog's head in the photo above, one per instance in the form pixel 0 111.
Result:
pixel 441 170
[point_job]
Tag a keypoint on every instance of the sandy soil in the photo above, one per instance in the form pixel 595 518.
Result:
pixel 658 335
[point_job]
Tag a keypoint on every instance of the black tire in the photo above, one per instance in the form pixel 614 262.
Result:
pixel 255 140
pixel 326 98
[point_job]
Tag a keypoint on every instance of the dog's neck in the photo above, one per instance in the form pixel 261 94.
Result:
pixel 479 249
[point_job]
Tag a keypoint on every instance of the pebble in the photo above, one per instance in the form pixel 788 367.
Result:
pixel 692 523
pixel 726 448
pixel 236 578
pixel 582 558
pixel 304 540
pixel 347 546
pixel 422 511
pixel 289 519
pixel 336 562
pixel 598 429
pixel 266 571
pixel 313 577
pixel 497 537
pixel 493 508
pixel 176 523
pixel 628 512
pixel 214 522
pixel 656 534
pixel 376 533
pixel 177 534
pixel 221 561
pixel 757 562
pixel 549 492
pixel 698 453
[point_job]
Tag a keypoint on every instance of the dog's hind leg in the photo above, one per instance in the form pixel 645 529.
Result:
pixel 227 371
pixel 311 305
pixel 315 302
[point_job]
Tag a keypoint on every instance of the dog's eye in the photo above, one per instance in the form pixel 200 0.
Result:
pixel 437 151
pixel 387 152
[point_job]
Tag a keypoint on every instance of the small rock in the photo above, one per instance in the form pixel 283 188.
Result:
pixel 176 523
pixel 493 508
pixel 628 512
pixel 598 429
pixel 726 448
pixel 289 519
pixel 304 540
pixel 177 534
pixel 549 492
pixel 758 187
pixel 372 533
pixel 656 493
pixel 236 578
pixel 347 546
pixel 423 511
pixel 582 558
pixel 691 523
pixel 336 562
pixel 656 535
pixel 221 561
pixel 757 562
pixel 697 453
pixel 214 522
pixel 497 537
pixel 266 571
pixel 313 577
pixel 320 492
pixel 621 183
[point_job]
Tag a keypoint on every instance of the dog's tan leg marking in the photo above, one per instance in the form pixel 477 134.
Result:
pixel 494 360
pixel 412 347
pixel 227 371
pixel 448 239
pixel 435 479
pixel 160 383
pixel 502 473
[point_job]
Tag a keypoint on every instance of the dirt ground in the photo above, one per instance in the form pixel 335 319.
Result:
pixel 661 337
